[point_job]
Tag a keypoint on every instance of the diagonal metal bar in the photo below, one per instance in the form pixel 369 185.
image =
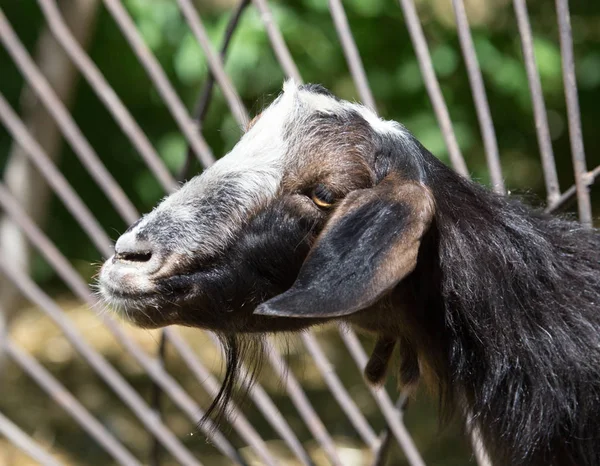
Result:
pixel 537 99
pixel 54 177
pixel 351 52
pixel 432 85
pixel 382 453
pixel 300 400
pixel 481 454
pixel 25 443
pixel 70 404
pixel 256 392
pixel 106 93
pixel 570 85
pixel 99 364
pixel 339 392
pixel 67 125
pixel 281 50
pixel 392 416
pixel 160 80
pixel 203 102
pixel 214 62
pixel 154 456
pixel 482 106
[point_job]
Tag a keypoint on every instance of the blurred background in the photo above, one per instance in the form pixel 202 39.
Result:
pixel 394 76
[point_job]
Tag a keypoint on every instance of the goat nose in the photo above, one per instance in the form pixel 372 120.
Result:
pixel 130 249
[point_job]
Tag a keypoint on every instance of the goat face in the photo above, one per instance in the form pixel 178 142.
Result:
pixel 314 214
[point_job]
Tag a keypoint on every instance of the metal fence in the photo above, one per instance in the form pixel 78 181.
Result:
pixel 164 443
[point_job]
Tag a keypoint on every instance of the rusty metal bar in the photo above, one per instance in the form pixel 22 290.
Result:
pixel 160 80
pixel 256 392
pixel 537 99
pixel 55 178
pixel 339 391
pixel 99 364
pixel 25 443
pixel 106 93
pixel 67 125
pixel 432 85
pixel 392 416
pixel 351 52
pixel 281 51
pixel 575 135
pixel 482 106
pixel 214 62
pixel 70 404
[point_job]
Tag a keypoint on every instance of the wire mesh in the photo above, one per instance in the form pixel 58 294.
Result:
pixel 153 416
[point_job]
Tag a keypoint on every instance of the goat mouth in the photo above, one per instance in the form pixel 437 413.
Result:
pixel 146 309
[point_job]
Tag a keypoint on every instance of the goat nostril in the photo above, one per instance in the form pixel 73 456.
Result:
pixel 134 256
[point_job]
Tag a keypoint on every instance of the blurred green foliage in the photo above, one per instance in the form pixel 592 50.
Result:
pixel 392 71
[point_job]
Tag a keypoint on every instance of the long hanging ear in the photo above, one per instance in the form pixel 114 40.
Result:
pixel 369 244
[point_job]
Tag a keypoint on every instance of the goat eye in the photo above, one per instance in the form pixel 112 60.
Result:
pixel 322 197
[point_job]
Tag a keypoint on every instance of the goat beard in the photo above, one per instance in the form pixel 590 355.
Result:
pixel 244 356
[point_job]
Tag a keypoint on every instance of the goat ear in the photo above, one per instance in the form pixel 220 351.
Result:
pixel 369 244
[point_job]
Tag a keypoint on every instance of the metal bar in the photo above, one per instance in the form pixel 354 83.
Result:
pixel 482 106
pixel 256 392
pixel 567 197
pixel 214 62
pixel 339 391
pixel 432 85
pixel 351 52
pixel 203 102
pixel 570 84
pixel 106 93
pixel 392 416
pixel 67 125
pixel 381 455
pixel 302 404
pixel 99 364
pixel 74 281
pixel 281 51
pixel 25 443
pixel 479 449
pixel 70 404
pixel 159 78
pixel 155 402
pixel 54 177
pixel 537 99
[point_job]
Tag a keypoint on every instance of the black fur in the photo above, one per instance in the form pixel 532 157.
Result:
pixel 509 308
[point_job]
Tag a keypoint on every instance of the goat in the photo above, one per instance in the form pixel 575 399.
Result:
pixel 325 212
